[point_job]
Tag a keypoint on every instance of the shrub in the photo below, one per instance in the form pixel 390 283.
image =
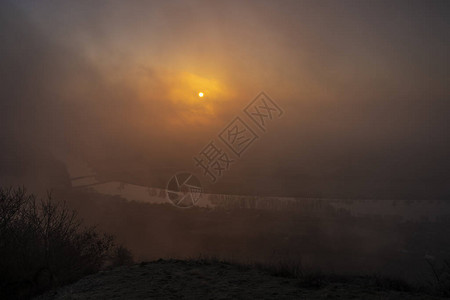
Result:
pixel 121 257
pixel 43 244
pixel 440 282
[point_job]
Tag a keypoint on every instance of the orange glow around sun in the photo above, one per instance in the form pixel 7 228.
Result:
pixel 184 93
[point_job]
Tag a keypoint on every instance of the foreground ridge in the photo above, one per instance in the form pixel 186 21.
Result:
pixel 211 279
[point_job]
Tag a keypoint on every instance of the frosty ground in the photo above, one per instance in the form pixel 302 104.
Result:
pixel 197 279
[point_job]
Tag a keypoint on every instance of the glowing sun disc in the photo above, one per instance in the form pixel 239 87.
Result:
pixel 201 94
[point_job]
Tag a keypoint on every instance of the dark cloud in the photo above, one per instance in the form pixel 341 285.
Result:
pixel 364 87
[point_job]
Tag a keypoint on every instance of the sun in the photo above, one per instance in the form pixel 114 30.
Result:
pixel 200 94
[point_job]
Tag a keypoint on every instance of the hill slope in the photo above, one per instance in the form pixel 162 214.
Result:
pixel 176 279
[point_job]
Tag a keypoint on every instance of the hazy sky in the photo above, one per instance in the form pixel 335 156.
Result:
pixel 364 86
